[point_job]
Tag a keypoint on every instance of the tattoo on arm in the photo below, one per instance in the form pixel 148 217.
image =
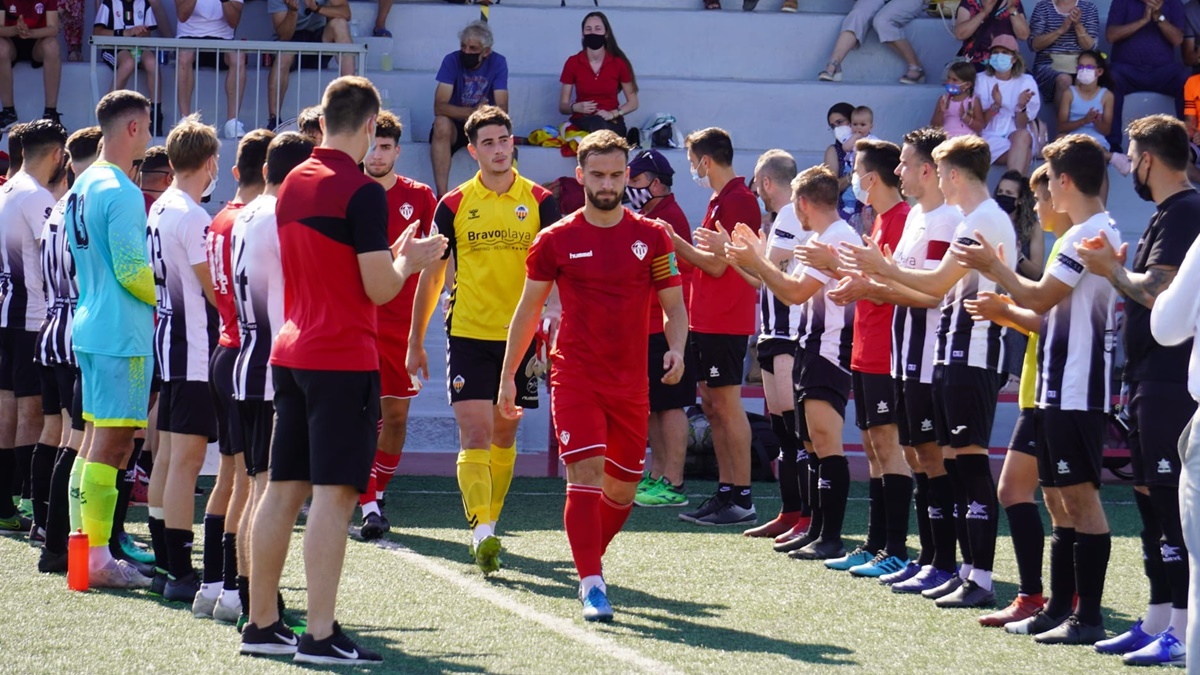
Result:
pixel 1143 288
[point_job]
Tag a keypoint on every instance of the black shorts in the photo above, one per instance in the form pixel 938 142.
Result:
pixel 769 348
pixel 818 379
pixel 186 407
pixel 23 48
pixel 719 358
pixel 1027 435
pixel 964 409
pixel 325 426
pixel 18 371
pixel 310 61
pixel 258 421
pixel 230 437
pixel 670 396
pixel 874 399
pixel 460 139
pixel 1074 444
pixel 58 388
pixel 208 58
pixel 1158 412
pixel 77 422
pixel 473 372
pixel 156 376
pixel 914 412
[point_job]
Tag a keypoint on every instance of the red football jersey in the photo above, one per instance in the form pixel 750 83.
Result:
pixel 219 253
pixel 408 202
pixel 32 12
pixel 726 305
pixel 872 350
pixel 668 211
pixel 605 277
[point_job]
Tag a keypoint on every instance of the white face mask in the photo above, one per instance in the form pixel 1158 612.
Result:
pixel 841 133
pixel 1085 75
pixel 1067 12
pixel 212 185
pixel 702 181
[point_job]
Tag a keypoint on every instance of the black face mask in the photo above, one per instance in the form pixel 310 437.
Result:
pixel 1141 188
pixel 595 41
pixel 1008 203
pixel 468 61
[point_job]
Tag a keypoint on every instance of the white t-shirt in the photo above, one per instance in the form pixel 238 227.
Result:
pixel 24 207
pixel 778 319
pixel 258 291
pixel 925 241
pixel 828 329
pixel 207 21
pixel 1004 123
pixel 1078 334
pixel 184 334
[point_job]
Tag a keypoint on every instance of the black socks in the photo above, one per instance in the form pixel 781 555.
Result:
pixel 834 487
pixel 897 496
pixel 924 529
pixel 214 549
pixel 976 475
pixel 1029 540
pixel 1062 572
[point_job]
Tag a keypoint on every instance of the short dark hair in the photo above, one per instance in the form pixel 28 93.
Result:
pixel 880 157
pixel 84 143
pixel 924 140
pixel 156 159
pixel 388 125
pixel 842 108
pixel 348 103
pixel 251 155
pixel 1162 136
pixel 817 184
pixel 286 152
pixel 712 142
pixel 602 142
pixel 117 105
pixel 969 153
pixel 309 120
pixel 1081 158
pixel 40 137
pixel 487 116
pixel 1040 177
pixel 16 154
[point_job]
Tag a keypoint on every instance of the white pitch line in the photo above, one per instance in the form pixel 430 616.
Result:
pixel 553 623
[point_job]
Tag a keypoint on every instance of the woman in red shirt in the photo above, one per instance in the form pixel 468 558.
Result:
pixel 593 79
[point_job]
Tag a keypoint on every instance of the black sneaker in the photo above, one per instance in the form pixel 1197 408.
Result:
pixel 53 116
pixel 7 119
pixel 1035 625
pixel 51 562
pixel 336 649
pixel 797 542
pixel 272 122
pixel 820 550
pixel 1072 632
pixel 943 590
pixel 374 526
pixel 274 640
pixel 707 507
pixel 970 594
pixel 182 590
pixel 158 582
pixel 729 513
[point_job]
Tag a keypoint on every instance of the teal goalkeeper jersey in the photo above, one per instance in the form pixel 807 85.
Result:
pixel 106 231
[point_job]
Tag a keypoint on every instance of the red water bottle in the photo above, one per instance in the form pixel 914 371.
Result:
pixel 77 561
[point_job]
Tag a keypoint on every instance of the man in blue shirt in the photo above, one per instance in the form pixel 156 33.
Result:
pixel 1145 35
pixel 468 79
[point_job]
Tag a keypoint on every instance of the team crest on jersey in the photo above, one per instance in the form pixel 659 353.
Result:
pixel 458 383
pixel 522 212
pixel 640 249
pixel 39 8
pixel 564 437
pixel 406 211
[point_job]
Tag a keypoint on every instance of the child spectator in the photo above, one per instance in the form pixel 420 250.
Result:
pixel 132 18
pixel 30 33
pixel 1009 97
pixel 1087 105
pixel 958 111
pixel 595 77
pixel 841 161
pixel 979 22
pixel 1059 31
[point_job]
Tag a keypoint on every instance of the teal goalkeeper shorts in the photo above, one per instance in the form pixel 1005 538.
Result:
pixel 116 389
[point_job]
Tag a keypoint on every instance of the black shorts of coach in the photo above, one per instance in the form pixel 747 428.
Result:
pixel 231 439
pixel 58 388
pixel 914 412
pixel 186 407
pixel 1073 443
pixel 874 399
pixel 670 396
pixel 18 371
pixel 964 405
pixel 1158 412
pixel 473 372
pixel 325 426
pixel 719 359
pixel 817 378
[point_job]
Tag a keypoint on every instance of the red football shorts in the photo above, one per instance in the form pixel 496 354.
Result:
pixel 593 424
pixel 394 380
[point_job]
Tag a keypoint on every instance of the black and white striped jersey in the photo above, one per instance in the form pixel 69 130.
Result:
pixel 24 207
pixel 778 319
pixel 258 292
pixel 961 339
pixel 1078 334
pixel 925 241
pixel 58 280
pixel 826 329
pixel 185 332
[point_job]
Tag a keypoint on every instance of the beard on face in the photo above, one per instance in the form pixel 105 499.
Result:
pixel 373 174
pixel 607 201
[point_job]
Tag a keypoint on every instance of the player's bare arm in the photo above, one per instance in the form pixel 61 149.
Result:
pixel 747 251
pixel 520 333
pixel 429 289
pixel 675 326
pixel 988 260
pixel 855 286
pixel 879 265
pixel 710 262
pixel 1099 257
pixel 205 277
pixel 999 309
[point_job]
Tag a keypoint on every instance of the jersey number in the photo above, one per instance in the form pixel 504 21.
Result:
pixel 75 217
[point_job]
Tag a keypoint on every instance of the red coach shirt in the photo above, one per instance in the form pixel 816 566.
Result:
pixel 601 87
pixel 726 305
pixel 33 12
pixel 605 277
pixel 328 213
pixel 668 211
pixel 872 351
pixel 408 202
pixel 220 250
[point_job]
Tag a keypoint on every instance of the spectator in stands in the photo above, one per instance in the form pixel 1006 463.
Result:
pixel 305 21
pixel 212 19
pixel 468 79
pixel 593 79
pixel 1191 17
pixel 888 19
pixel 979 22
pixel 309 123
pixel 1087 106
pixel 30 33
pixel 1144 35
pixel 1009 98
pixel 1059 31
pixel 957 111
pixel 381 17
pixel 841 162
pixel 1016 198
pixel 132 18
pixel 156 174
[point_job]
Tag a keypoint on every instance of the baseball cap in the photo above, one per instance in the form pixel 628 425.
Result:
pixel 654 162
pixel 1005 41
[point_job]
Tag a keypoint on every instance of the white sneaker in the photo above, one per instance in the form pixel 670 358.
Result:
pixel 228 608
pixel 117 574
pixel 234 128
pixel 202 606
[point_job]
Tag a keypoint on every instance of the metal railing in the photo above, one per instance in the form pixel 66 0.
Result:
pixel 262 54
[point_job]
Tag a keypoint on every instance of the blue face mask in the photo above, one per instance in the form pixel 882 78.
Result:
pixel 953 89
pixel 699 180
pixel 1001 63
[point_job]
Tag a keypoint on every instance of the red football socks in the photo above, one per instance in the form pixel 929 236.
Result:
pixel 584 524
pixel 612 519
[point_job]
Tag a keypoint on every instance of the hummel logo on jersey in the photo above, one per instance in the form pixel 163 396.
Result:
pixel 640 249
pixel 935 512
pixel 1164 466
pixel 1074 265
pixel 977 511
pixel 958 429
pixel 585 254
pixel 882 407
pixel 352 654
pixel 473 214
pixel 406 211
pixel 564 436
pixel 1170 553
pixel 823 484
pixel 713 372
pixel 1063 467
pixel 926 425
pixel 522 212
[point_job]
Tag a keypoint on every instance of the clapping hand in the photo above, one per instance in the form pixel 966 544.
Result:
pixel 712 241
pixel 417 253
pixel 868 259
pixel 1099 256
